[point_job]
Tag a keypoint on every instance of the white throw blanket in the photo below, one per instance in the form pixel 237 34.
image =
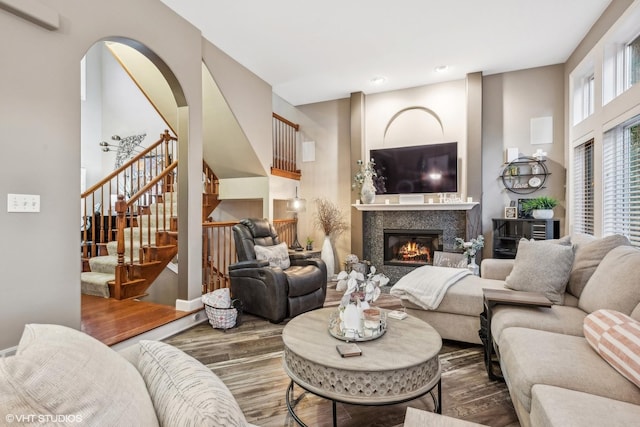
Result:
pixel 425 286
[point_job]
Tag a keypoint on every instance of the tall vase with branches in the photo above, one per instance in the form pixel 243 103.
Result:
pixel 330 220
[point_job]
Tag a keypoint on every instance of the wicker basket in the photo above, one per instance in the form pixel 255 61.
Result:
pixel 224 318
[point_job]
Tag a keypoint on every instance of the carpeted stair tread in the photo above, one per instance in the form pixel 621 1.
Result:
pixel 103 264
pixel 94 283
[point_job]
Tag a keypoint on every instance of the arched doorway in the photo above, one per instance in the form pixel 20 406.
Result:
pixel 129 97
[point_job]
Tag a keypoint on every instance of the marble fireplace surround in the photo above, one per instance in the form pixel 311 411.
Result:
pixel 454 219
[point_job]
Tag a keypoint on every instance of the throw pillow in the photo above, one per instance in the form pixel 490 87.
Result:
pixel 63 373
pixel 449 259
pixel 184 391
pixel 588 256
pixel 541 266
pixel 619 343
pixel 599 322
pixel 614 284
pixel 277 255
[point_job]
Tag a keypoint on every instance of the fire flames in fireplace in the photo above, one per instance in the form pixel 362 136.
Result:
pixel 414 252
pixel 411 247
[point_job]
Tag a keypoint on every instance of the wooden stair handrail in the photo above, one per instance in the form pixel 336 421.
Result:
pixel 164 137
pixel 149 185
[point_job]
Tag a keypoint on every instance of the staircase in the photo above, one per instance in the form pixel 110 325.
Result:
pixel 122 260
pixel 155 235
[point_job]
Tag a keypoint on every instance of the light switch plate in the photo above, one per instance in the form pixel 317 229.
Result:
pixel 23 203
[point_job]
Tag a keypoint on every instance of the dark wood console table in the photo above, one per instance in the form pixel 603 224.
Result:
pixel 491 298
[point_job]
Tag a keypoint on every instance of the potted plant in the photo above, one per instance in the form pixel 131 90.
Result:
pixel 309 244
pixel 540 207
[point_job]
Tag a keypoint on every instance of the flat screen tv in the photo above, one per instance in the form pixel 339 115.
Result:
pixel 429 168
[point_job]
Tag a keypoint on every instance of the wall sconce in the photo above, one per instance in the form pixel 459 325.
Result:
pixel 296 205
pixel 106 147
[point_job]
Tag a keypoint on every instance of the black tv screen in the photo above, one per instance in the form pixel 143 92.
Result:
pixel 418 169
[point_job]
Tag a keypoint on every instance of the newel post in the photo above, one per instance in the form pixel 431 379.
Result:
pixel 121 272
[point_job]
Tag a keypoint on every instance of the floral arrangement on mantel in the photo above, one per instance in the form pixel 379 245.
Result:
pixel 368 170
pixel 360 290
pixel 470 248
pixel 329 218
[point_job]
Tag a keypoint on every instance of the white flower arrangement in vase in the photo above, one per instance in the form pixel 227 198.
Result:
pixel 360 290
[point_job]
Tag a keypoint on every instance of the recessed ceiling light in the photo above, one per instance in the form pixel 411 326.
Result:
pixel 441 68
pixel 378 80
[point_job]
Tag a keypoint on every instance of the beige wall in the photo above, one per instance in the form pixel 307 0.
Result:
pixel 328 177
pixel 510 101
pixel 40 106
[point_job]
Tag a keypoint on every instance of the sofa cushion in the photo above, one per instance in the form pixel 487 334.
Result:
pixel 463 297
pixel 561 319
pixel 541 266
pixel 184 391
pixel 277 255
pixel 616 338
pixel 60 371
pixel 560 407
pixel 587 258
pixel 614 284
pixel 530 357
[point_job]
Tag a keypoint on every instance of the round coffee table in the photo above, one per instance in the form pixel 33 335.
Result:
pixel 399 366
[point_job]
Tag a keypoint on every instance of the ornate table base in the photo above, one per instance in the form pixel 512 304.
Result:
pixel 400 366
pixel 437 401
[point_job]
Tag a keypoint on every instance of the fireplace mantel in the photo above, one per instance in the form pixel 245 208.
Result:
pixel 415 206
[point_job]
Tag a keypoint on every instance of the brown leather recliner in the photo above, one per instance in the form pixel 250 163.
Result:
pixel 271 292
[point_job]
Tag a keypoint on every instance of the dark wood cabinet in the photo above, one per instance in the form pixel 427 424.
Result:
pixel 508 232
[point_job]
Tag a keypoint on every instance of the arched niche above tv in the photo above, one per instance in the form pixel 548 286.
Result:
pixel 413 126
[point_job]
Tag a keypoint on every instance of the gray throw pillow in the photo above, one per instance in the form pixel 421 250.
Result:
pixel 277 255
pixel 614 284
pixel 541 266
pixel 588 256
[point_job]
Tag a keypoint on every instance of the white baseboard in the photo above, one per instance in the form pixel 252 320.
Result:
pixel 165 331
pixel 189 305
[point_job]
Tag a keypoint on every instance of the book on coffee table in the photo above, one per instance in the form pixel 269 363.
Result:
pixel 348 350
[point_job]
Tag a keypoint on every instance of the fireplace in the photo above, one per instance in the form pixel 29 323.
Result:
pixel 411 247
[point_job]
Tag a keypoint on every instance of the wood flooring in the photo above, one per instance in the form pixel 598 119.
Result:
pixel 112 321
pixel 248 359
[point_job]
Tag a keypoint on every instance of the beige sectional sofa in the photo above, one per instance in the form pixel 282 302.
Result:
pixel 555 377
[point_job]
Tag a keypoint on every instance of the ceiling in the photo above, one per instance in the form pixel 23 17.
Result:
pixel 317 51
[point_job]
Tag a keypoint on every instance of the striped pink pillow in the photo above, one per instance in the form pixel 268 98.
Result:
pixel 599 322
pixel 616 337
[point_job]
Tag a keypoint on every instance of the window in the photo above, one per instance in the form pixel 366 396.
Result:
pixel 621 190
pixel 632 56
pixel 583 96
pixel 583 188
pixel 621 67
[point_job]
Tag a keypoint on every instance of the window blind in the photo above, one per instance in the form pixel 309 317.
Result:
pixel 621 181
pixel 583 187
